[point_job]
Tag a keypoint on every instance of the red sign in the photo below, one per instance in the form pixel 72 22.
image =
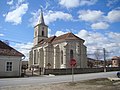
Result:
pixel 72 62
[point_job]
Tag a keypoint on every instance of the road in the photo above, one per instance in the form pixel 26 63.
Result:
pixel 53 79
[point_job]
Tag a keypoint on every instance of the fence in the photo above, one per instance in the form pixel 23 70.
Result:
pixel 79 70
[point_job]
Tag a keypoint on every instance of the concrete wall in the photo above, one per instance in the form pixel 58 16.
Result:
pixel 78 70
pixel 16 68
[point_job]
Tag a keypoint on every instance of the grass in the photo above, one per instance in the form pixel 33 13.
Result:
pixel 95 84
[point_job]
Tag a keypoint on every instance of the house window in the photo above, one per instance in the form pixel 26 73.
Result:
pixel 71 54
pixel 8 66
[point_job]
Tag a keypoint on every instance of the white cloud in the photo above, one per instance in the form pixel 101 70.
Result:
pixel 91 38
pixel 58 33
pixel 76 3
pixel 50 16
pixel 15 3
pixel 90 15
pixel 87 2
pixel 97 18
pixel 24 48
pixel 83 33
pixel 15 16
pixel 111 3
pixel 49 32
pixel 94 40
pixel 114 36
pixel 100 25
pixel 10 2
pixel 1 35
pixel 21 1
pixel 114 16
pixel 35 17
pixel 69 3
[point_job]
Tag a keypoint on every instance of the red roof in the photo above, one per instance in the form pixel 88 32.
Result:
pixel 6 50
pixel 54 39
pixel 116 58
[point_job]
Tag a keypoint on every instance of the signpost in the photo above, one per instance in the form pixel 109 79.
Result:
pixel 72 64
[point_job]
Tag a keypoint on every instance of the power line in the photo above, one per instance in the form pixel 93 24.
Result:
pixel 12 41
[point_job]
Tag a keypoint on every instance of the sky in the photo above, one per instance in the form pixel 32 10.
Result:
pixel 95 21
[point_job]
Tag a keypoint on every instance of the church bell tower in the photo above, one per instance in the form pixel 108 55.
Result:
pixel 40 30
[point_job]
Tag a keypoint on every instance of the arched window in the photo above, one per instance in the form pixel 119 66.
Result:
pixel 71 54
pixel 61 57
pixel 35 57
pixel 42 33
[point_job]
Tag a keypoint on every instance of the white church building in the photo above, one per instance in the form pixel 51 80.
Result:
pixel 56 52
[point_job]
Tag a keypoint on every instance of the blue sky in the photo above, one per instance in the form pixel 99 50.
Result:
pixel 95 21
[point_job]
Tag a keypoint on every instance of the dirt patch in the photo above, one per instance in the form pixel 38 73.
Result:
pixel 95 84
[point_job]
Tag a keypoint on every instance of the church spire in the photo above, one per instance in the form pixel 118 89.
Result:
pixel 41 21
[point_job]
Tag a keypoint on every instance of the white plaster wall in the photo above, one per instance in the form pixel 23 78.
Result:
pixel 16 68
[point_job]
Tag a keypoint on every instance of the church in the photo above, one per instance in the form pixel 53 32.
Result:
pixel 55 52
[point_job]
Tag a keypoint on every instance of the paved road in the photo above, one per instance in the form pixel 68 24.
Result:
pixel 53 79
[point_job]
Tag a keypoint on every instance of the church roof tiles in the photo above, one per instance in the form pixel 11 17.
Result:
pixel 55 39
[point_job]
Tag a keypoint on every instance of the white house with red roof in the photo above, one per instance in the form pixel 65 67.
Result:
pixel 56 52
pixel 10 61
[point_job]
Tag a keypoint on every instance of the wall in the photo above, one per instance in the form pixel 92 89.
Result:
pixel 16 66
pixel 78 70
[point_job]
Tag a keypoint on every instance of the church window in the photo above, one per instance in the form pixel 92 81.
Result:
pixel 35 58
pixel 42 33
pixel 71 54
pixel 61 57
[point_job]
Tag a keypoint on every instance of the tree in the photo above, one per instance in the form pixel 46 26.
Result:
pixel 97 54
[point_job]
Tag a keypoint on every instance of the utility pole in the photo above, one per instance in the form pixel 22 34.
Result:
pixel 104 59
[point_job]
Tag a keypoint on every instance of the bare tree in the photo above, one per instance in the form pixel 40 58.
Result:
pixel 97 54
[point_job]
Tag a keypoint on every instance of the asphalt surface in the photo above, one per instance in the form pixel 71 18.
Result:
pixel 53 79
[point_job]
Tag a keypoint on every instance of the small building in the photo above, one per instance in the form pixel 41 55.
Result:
pixel 116 61
pixel 93 63
pixel 10 61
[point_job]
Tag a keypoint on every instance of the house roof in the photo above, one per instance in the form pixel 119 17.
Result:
pixel 116 58
pixel 55 39
pixel 6 50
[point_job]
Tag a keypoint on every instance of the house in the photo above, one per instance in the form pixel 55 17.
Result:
pixel 93 63
pixel 10 61
pixel 56 51
pixel 116 61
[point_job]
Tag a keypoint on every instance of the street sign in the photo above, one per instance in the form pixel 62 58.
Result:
pixel 73 62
